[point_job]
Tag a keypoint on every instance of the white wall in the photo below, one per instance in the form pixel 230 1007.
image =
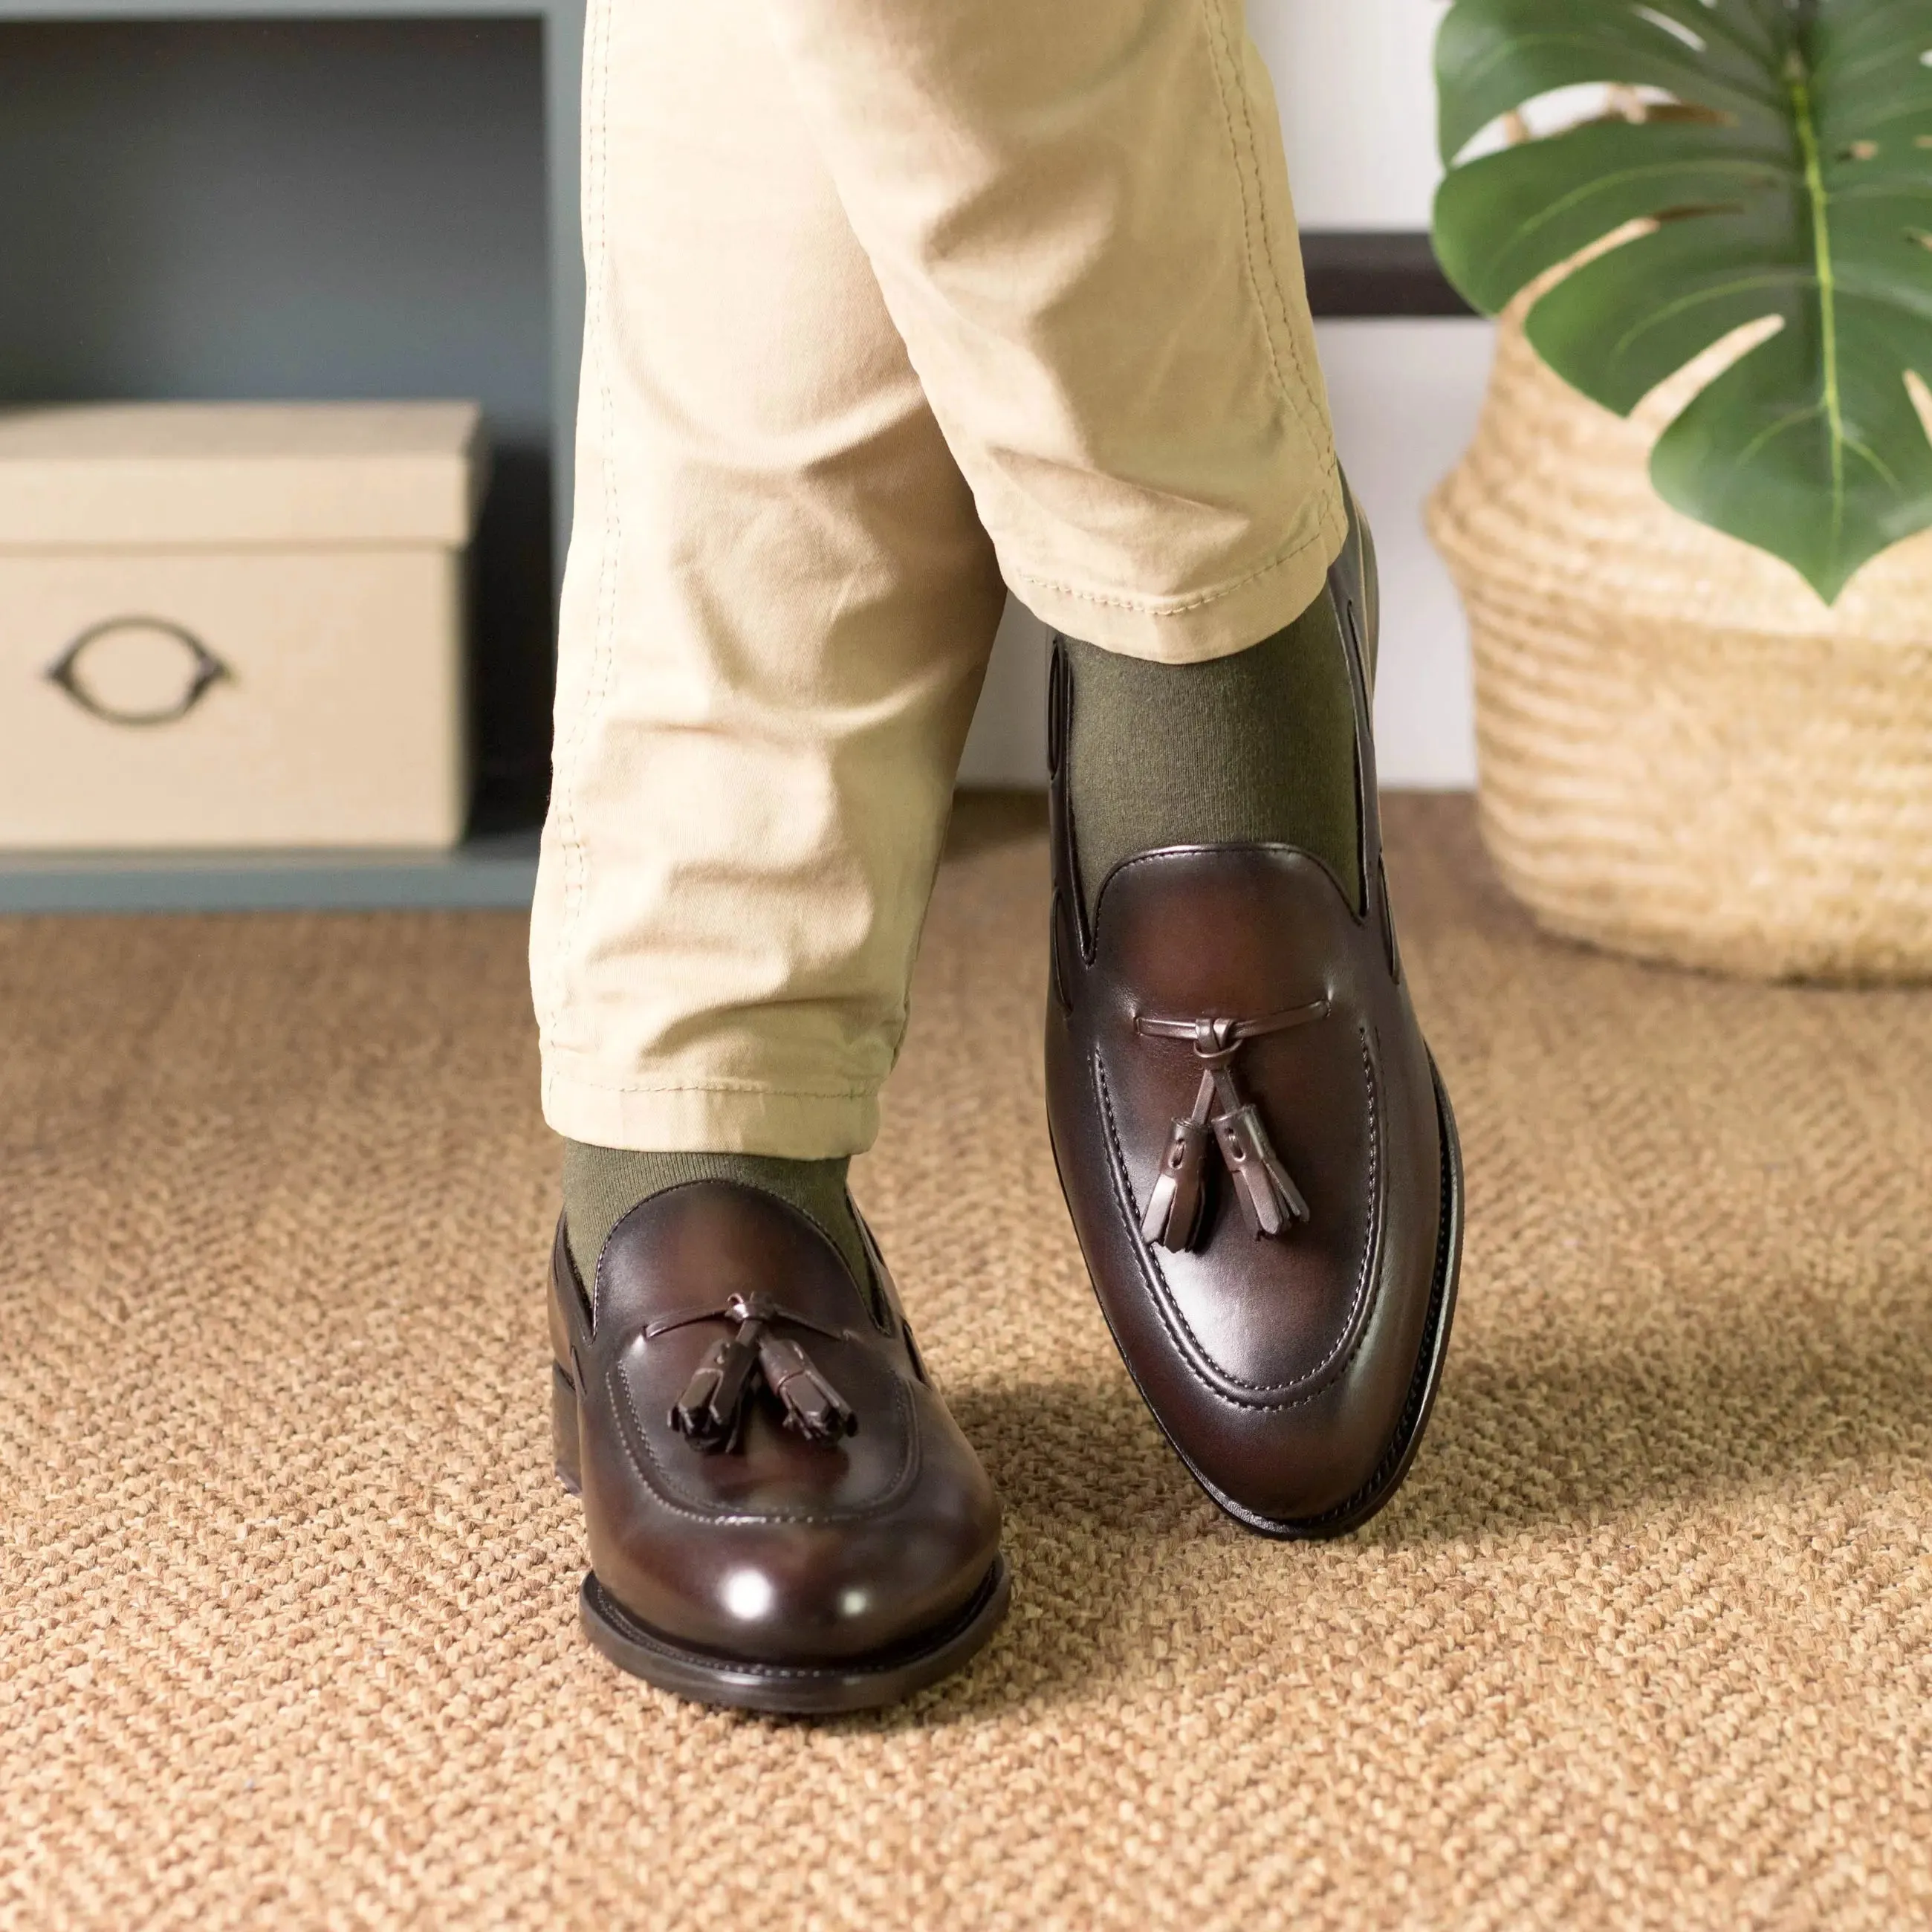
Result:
pixel 1406 395
pixel 1358 117
pixel 1355 82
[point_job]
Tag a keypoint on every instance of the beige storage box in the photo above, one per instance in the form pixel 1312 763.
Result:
pixel 227 624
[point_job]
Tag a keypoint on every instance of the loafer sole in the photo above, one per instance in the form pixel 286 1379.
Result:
pixel 1392 1465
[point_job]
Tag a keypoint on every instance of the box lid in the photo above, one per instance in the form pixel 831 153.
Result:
pixel 207 475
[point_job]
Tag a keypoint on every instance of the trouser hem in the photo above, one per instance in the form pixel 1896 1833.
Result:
pixel 729 1118
pixel 1217 623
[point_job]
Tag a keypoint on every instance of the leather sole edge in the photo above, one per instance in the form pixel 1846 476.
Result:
pixel 814 1690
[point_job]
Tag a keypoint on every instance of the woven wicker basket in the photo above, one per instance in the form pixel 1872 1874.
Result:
pixel 1684 753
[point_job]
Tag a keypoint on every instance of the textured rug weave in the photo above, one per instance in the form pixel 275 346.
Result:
pixel 287 1591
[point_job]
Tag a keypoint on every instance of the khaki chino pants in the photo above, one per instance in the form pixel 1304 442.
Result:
pixel 892 304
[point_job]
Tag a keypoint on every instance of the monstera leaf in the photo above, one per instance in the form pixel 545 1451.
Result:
pixel 1786 174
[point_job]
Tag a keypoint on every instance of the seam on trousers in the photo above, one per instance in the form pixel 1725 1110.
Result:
pixel 1168 607
pixel 903 1023
pixel 575 847
pixel 1247 173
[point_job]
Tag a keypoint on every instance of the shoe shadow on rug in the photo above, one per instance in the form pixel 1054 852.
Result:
pixel 1531 1431
pixel 1096 1513
pixel 1537 1431
pixel 1570 1427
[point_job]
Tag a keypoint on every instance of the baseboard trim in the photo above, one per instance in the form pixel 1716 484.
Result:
pixel 1362 273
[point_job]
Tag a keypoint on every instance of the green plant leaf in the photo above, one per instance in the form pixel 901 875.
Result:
pixel 1788 175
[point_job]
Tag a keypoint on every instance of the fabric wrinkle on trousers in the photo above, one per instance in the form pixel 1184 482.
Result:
pixel 887 303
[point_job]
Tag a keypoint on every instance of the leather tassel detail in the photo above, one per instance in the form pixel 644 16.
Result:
pixel 1177 1208
pixel 1269 1198
pixel 812 1406
pixel 1174 1209
pixel 710 1412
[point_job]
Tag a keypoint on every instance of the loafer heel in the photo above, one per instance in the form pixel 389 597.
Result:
pixel 564 1441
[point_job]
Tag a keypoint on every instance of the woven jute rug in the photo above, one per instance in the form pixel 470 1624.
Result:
pixel 287 1590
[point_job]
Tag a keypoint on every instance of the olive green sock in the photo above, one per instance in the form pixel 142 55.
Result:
pixel 601 1185
pixel 1257 748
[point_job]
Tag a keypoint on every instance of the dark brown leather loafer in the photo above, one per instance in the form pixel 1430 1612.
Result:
pixel 782 1515
pixel 1257 1152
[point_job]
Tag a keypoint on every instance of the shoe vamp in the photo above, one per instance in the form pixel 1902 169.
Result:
pixel 1240 933
pixel 1272 1315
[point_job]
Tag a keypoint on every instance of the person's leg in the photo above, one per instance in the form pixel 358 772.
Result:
pixel 776 616
pixel 1080 219
pixel 777 613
